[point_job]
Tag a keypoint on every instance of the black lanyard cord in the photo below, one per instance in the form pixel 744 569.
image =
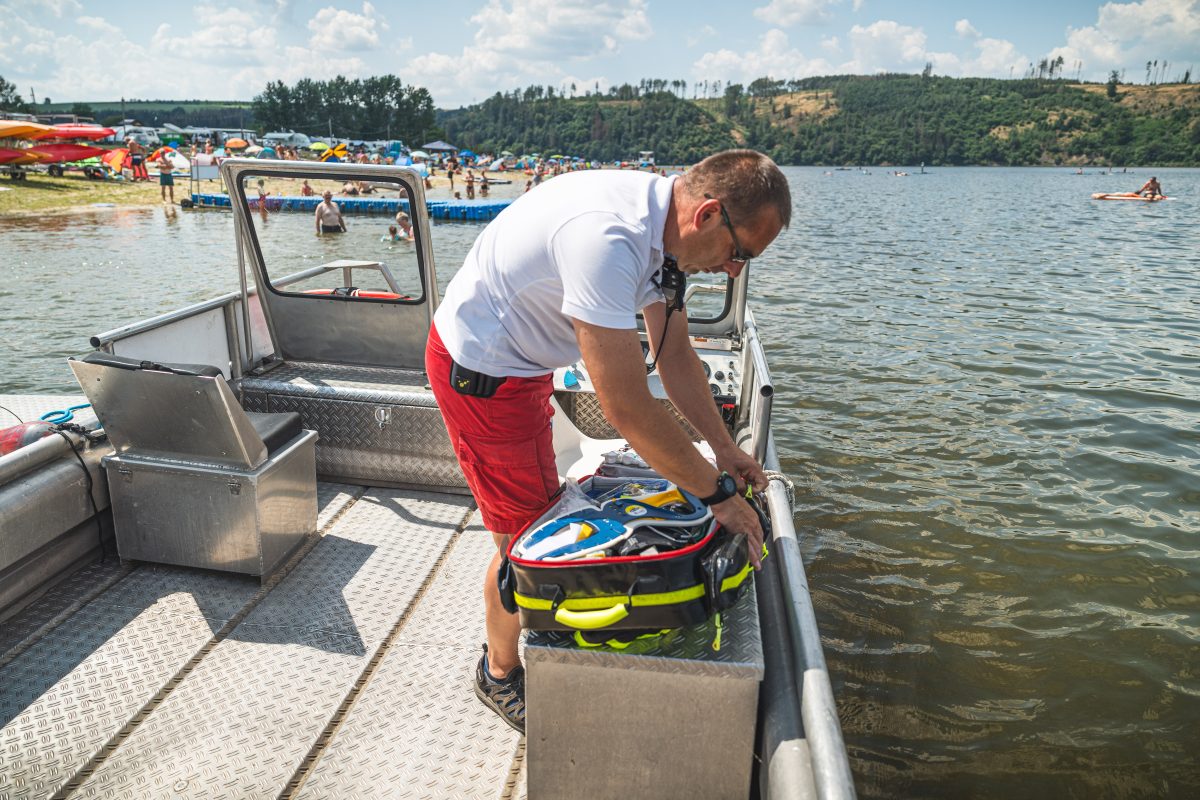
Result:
pixel 673 283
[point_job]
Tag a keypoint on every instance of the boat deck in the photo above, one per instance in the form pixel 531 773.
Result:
pixel 346 674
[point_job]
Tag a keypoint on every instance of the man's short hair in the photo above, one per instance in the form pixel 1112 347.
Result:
pixel 745 181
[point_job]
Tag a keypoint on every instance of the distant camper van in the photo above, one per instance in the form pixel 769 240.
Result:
pixel 146 137
pixel 287 139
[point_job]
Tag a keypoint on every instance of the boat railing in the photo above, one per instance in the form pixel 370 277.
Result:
pixel 201 332
pixel 814 754
pixel 758 393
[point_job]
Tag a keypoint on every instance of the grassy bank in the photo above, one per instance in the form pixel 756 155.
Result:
pixel 41 193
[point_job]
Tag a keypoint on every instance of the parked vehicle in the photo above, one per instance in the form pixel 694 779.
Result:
pixel 286 139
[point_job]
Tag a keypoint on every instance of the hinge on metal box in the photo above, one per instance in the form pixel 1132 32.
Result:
pixel 126 474
pixel 383 416
pixel 235 487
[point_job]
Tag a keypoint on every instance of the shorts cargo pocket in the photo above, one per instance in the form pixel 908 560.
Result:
pixel 512 479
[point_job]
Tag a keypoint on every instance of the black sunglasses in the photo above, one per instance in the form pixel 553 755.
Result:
pixel 740 256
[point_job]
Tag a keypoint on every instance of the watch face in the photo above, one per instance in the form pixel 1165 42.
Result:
pixel 726 484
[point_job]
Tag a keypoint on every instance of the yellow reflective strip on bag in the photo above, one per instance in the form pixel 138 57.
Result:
pixel 594 603
pixel 734 581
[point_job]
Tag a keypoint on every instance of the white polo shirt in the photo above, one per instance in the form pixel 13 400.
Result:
pixel 585 245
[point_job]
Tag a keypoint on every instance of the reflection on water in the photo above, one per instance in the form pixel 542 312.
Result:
pixel 986 397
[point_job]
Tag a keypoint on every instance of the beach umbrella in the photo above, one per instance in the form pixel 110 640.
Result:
pixel 466 154
pixel 506 153
pixel 419 154
pixel 320 147
pixel 236 143
pixel 15 129
pixel 253 150
pixel 116 158
pixel 335 153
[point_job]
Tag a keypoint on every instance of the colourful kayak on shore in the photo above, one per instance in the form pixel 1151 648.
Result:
pixel 16 129
pixel 1129 196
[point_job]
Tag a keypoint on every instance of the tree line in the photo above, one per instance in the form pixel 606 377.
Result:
pixel 833 120
pixel 884 119
pixel 379 107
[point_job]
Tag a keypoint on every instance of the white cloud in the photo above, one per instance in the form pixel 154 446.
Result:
pixel 528 42
pixel 1126 35
pixel 886 45
pixel 99 25
pixel 798 12
pixel 772 56
pixel 336 30
pixel 965 29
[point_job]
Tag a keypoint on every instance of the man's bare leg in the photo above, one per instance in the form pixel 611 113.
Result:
pixel 503 628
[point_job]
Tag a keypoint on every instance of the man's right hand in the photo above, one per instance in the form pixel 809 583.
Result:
pixel 736 516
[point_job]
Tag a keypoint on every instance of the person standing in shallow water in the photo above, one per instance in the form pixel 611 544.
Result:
pixel 328 216
pixel 563 273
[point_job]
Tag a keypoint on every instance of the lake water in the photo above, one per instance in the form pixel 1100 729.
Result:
pixel 986 394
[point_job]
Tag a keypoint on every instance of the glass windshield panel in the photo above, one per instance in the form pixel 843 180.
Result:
pixel 359 243
pixel 708 296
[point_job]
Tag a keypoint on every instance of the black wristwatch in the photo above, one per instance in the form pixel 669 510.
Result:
pixel 726 488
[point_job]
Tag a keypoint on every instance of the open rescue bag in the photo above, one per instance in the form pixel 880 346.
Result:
pixel 634 555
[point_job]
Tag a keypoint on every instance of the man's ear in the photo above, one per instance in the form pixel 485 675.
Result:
pixel 706 209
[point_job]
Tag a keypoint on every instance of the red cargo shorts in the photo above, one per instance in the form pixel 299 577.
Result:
pixel 503 442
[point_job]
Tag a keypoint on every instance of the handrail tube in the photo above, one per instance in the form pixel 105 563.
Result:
pixel 244 360
pixel 757 396
pixel 31 456
pixel 831 767
pixel 786 771
pixel 125 331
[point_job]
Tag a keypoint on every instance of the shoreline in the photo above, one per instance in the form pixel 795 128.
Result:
pixel 43 195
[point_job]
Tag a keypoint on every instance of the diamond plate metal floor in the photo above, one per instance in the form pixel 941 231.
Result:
pixel 243 720
pixel 417 730
pixel 146 681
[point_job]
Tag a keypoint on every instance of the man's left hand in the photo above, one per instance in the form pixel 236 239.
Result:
pixel 743 468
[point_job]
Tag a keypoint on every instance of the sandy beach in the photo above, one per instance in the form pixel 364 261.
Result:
pixel 42 194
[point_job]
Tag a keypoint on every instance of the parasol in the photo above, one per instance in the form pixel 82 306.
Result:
pixel 235 143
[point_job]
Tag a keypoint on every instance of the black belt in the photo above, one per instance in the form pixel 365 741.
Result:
pixel 472 383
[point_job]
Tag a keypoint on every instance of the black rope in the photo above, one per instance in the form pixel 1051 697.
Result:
pixel 91 436
pixel 15 414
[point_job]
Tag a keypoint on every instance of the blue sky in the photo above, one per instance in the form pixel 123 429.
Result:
pixel 465 50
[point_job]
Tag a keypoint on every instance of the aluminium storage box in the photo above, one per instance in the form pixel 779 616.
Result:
pixel 212 516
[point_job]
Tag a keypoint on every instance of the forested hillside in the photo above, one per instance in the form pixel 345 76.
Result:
pixel 886 119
